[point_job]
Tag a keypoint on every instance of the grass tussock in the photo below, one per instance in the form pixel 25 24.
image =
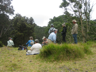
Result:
pixel 55 52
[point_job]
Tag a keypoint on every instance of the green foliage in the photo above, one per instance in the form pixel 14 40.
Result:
pixel 64 4
pixel 55 52
pixel 5 26
pixel 92 31
pixel 81 9
pixel 40 32
pixel 6 7
pixel 23 29
pixel 1 44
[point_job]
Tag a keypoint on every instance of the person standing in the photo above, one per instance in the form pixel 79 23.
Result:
pixel 52 37
pixel 29 43
pixel 10 42
pixel 64 32
pixel 74 30
pixel 51 29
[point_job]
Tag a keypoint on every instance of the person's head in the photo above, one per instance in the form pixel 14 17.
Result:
pixel 44 38
pixel 74 21
pixel 36 41
pixel 31 38
pixel 55 31
pixel 10 38
pixel 52 25
pixel 63 25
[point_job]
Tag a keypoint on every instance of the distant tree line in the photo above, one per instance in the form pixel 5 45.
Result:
pixel 20 28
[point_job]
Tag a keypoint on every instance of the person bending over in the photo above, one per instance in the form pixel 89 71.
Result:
pixel 52 37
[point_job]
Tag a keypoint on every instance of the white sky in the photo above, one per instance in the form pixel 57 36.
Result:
pixel 42 10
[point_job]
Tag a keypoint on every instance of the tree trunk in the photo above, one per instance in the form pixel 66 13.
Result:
pixel 1 31
pixel 82 27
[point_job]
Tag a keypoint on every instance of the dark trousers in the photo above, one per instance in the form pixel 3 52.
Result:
pixel 63 36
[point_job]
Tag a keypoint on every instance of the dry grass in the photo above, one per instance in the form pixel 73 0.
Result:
pixel 12 60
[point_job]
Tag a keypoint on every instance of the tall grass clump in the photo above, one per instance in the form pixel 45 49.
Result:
pixel 1 44
pixel 86 47
pixel 90 43
pixel 63 52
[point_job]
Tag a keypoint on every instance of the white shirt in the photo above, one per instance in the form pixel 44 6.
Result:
pixel 36 48
pixel 10 43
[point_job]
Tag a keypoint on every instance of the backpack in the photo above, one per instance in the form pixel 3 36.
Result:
pixel 21 47
pixel 32 42
pixel 51 30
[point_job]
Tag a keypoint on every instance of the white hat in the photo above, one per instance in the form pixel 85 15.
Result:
pixel 55 29
pixel 43 37
pixel 74 20
pixel 63 24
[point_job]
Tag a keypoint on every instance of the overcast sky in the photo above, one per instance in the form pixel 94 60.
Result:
pixel 42 10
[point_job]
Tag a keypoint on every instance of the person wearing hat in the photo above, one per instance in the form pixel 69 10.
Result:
pixel 64 32
pixel 51 29
pixel 30 42
pixel 74 30
pixel 52 37
pixel 10 42
pixel 35 49
pixel 44 41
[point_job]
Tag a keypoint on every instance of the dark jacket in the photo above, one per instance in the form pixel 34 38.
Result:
pixel 64 31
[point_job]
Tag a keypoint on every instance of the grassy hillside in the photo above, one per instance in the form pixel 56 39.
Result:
pixel 12 60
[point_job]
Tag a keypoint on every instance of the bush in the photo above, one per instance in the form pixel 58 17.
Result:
pixel 64 52
pixel 1 44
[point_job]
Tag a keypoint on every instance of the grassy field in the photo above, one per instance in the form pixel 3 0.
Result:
pixel 12 60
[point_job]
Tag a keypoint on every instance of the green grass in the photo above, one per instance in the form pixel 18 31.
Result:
pixel 12 60
pixel 55 52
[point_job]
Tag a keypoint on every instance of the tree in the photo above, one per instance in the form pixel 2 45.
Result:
pixel 40 32
pixel 4 22
pixel 22 29
pixel 81 9
pixel 5 9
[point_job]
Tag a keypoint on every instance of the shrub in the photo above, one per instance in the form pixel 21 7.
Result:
pixel 64 51
pixel 1 44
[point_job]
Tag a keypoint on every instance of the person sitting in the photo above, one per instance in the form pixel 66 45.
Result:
pixel 29 43
pixel 35 49
pixel 44 41
pixel 52 37
pixel 10 42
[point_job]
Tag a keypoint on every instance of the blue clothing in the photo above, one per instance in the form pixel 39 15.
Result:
pixel 52 37
pixel 75 38
pixel 28 43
